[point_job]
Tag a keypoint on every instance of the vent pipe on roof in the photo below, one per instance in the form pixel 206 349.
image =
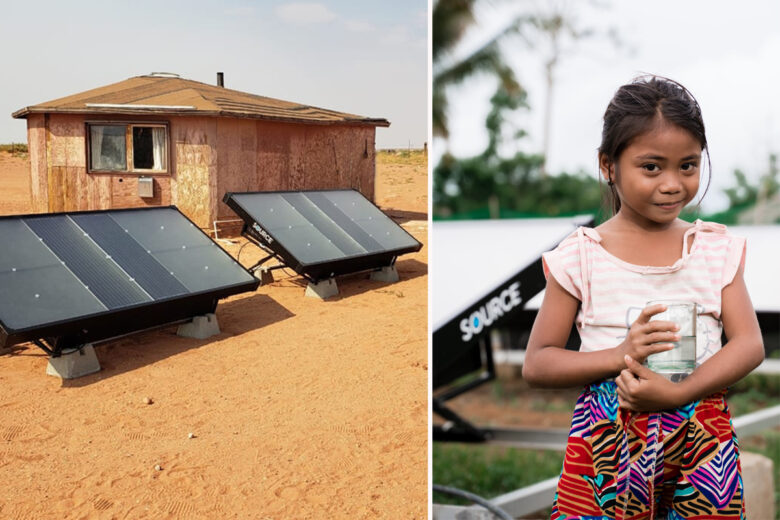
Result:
pixel 220 79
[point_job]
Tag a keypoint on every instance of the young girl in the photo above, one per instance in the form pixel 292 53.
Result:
pixel 641 446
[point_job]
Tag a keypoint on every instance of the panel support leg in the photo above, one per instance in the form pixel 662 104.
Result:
pixel 388 274
pixel 201 327
pixel 74 362
pixel 264 275
pixel 322 289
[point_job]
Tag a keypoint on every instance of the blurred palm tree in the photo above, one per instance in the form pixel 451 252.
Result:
pixel 451 19
pixel 497 181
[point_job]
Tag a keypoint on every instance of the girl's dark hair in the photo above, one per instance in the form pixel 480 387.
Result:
pixel 636 108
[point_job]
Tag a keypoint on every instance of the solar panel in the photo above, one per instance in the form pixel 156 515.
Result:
pixel 321 234
pixel 74 278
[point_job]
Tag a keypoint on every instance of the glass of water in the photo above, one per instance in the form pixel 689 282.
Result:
pixel 678 363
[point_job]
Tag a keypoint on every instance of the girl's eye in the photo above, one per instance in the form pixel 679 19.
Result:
pixel 689 167
pixel 652 168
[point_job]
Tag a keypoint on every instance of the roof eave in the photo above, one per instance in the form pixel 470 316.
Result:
pixel 24 112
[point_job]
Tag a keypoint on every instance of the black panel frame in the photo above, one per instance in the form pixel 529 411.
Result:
pixel 315 271
pixel 109 324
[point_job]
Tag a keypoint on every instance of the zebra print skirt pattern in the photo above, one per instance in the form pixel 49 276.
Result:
pixel 679 464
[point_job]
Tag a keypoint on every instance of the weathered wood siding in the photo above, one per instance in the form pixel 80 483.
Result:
pixel 194 187
pixel 39 177
pixel 124 192
pixel 67 176
pixel 60 181
pixel 263 156
pixel 209 157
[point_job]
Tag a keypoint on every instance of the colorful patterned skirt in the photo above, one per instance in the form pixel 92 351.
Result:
pixel 676 464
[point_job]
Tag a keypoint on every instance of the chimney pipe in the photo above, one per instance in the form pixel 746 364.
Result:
pixel 220 79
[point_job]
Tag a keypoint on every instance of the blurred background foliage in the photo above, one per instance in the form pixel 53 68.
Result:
pixel 515 185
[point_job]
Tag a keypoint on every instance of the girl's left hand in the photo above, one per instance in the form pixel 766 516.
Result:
pixel 641 390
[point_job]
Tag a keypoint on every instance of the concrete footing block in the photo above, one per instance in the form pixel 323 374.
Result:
pixel 757 476
pixel 264 275
pixel 74 363
pixel 201 327
pixel 323 289
pixel 387 274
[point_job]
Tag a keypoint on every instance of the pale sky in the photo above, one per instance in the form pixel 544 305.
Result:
pixel 726 54
pixel 368 58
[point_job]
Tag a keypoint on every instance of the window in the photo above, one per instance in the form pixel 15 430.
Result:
pixel 128 147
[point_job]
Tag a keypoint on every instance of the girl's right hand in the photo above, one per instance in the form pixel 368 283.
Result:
pixel 646 337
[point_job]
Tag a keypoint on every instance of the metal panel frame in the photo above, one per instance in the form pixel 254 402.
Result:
pixel 111 323
pixel 315 271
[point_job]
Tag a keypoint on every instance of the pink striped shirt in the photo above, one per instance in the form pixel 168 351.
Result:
pixel 613 292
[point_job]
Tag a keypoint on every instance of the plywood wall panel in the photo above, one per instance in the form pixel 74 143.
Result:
pixel 209 157
pixel 124 192
pixel 351 145
pixel 367 169
pixel 99 192
pixel 55 183
pixel 83 182
pixel 319 159
pixel 72 183
pixel 237 159
pixel 273 164
pixel 67 140
pixel 63 189
pixel 335 157
pixel 194 187
pixel 39 174
pixel 297 166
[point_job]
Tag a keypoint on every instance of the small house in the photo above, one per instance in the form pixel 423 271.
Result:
pixel 160 139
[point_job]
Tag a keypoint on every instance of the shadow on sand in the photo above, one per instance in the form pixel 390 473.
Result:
pixel 236 317
pixel 358 283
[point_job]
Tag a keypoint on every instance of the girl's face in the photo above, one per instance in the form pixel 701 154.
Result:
pixel 657 174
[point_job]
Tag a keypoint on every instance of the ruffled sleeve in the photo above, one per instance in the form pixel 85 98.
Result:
pixel 563 263
pixel 735 258
pixel 723 251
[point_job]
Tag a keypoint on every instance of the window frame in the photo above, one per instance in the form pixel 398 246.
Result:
pixel 129 126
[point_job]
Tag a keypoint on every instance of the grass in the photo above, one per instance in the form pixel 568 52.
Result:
pixel 489 471
pixel 15 148
pixel 755 392
pixel 402 156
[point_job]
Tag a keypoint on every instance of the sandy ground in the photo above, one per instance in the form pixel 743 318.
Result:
pixel 14 184
pixel 300 409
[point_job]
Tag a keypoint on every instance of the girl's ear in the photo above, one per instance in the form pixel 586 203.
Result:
pixel 606 167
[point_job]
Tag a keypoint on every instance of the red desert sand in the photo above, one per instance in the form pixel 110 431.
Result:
pixel 298 409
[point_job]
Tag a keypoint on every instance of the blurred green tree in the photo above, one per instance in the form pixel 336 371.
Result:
pixel 489 184
pixel 752 204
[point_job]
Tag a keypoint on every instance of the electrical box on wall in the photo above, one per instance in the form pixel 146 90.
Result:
pixel 145 187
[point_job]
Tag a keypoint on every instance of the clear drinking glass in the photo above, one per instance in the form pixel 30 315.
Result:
pixel 678 363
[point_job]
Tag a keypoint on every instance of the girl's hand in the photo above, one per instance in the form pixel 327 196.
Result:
pixel 641 390
pixel 646 337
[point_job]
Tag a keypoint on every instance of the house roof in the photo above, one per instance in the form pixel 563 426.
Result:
pixel 169 94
